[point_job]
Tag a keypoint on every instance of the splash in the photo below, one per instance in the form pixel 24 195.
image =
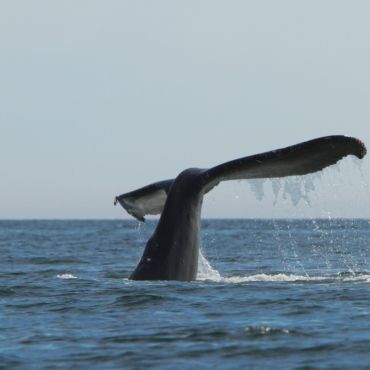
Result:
pixel 205 270
pixel 288 278
pixel 257 188
pixel 293 188
pixel 271 278
pixel 327 186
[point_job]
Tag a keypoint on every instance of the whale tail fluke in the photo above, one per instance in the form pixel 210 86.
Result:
pixel 300 159
pixel 148 200
pixel 296 160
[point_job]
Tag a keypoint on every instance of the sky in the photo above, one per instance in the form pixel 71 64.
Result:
pixel 98 98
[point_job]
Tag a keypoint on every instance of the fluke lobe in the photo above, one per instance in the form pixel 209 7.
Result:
pixel 172 251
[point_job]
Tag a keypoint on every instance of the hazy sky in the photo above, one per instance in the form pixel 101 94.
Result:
pixel 98 98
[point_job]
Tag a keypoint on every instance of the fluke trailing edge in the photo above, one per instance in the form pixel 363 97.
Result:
pixel 172 251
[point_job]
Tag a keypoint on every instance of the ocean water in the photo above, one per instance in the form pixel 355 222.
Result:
pixel 271 294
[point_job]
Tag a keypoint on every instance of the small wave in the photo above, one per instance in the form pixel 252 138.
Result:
pixel 5 292
pixel 357 277
pixel 265 330
pixel 133 299
pixel 66 276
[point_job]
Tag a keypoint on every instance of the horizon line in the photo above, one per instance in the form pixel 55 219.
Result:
pixel 203 219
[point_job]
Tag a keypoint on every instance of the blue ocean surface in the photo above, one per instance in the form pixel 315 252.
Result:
pixel 271 294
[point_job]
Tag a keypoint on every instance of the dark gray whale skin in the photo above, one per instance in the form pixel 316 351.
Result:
pixel 172 251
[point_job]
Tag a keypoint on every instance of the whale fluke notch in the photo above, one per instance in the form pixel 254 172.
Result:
pixel 300 159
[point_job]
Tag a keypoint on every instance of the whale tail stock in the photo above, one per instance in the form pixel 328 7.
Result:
pixel 300 159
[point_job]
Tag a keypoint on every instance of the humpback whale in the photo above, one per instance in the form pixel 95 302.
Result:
pixel 172 251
